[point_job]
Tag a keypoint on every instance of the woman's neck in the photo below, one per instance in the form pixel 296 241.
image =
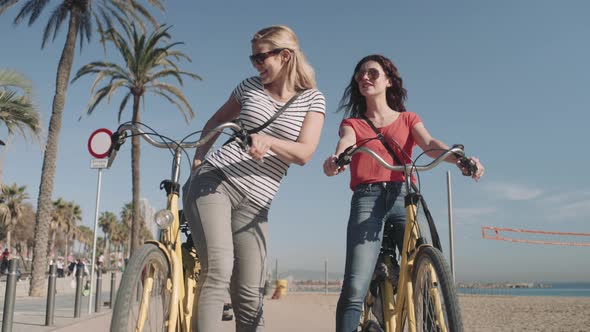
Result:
pixel 280 91
pixel 377 109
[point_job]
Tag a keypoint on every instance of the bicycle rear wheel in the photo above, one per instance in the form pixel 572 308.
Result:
pixel 435 299
pixel 143 298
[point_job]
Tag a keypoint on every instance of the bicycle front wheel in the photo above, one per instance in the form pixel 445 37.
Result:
pixel 435 299
pixel 143 298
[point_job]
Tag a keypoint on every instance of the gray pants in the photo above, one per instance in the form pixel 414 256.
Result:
pixel 230 236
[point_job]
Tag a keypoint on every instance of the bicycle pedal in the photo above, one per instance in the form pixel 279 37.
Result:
pixel 227 316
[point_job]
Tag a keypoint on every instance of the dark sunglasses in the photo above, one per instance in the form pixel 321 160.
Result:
pixel 372 73
pixel 259 58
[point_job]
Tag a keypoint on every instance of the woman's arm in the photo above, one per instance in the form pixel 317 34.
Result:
pixel 434 148
pixel 229 111
pixel 347 138
pixel 298 152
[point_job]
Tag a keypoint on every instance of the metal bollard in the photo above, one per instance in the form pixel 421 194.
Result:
pixel 49 310
pixel 113 282
pixel 98 290
pixel 78 301
pixel 8 313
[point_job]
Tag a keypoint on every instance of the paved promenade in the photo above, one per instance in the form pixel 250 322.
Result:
pixel 29 312
pixel 283 315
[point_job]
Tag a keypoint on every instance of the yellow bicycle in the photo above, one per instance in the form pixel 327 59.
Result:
pixel 158 286
pixel 419 294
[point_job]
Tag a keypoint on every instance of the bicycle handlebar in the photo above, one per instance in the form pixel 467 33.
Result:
pixel 119 136
pixel 345 157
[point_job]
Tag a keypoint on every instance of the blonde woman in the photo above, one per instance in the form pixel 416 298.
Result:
pixel 229 194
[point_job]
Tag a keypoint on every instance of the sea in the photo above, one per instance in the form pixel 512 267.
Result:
pixel 551 289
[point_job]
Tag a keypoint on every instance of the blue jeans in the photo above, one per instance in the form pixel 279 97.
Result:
pixel 372 205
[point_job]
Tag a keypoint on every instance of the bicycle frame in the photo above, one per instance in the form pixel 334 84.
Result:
pixel 397 310
pixel 180 284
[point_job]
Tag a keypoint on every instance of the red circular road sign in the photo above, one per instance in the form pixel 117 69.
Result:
pixel 99 143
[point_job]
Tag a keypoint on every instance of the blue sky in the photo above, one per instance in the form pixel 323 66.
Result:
pixel 509 79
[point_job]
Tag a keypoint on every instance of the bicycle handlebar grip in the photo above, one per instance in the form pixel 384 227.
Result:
pixel 344 158
pixel 469 165
pixel 117 139
pixel 244 140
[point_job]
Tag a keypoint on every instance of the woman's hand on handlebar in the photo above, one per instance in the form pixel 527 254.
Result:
pixel 260 145
pixel 196 164
pixel 330 167
pixel 473 168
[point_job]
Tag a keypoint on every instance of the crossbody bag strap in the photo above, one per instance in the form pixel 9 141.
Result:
pixel 275 116
pixel 433 232
pixel 269 121
pixel 383 141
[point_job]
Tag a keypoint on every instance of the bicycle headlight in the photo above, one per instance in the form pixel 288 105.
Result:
pixel 164 218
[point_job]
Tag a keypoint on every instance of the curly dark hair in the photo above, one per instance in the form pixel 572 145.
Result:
pixel 353 102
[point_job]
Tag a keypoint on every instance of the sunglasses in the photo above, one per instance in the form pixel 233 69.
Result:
pixel 259 58
pixel 372 73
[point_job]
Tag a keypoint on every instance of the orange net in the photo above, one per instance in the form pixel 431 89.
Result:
pixel 536 237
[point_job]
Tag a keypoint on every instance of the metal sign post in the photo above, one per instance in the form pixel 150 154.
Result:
pixel 99 145
pixel 451 238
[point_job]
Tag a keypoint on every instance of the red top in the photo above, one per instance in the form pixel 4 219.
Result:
pixel 365 169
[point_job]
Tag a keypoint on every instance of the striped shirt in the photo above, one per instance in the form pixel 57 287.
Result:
pixel 260 181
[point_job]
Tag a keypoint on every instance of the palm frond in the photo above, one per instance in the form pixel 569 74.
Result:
pixel 165 87
pixel 31 8
pixel 6 4
pixel 148 59
pixel 100 94
pixel 114 86
pixel 122 105
pixel 85 27
pixel 18 114
pixel 11 78
pixel 173 102
pixel 54 24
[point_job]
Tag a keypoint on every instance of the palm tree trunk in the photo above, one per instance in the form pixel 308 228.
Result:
pixel 8 239
pixel 135 155
pixel 67 242
pixel 53 245
pixel 107 251
pixel 49 161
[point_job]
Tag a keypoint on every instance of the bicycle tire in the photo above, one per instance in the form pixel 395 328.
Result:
pixel 148 260
pixel 429 266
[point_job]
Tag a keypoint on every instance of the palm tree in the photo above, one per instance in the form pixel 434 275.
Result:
pixel 85 237
pixel 17 112
pixel 12 207
pixel 58 221
pixel 147 60
pixel 118 237
pixel 73 215
pixel 107 222
pixel 127 219
pixel 79 15
pixel 16 107
pixel 23 235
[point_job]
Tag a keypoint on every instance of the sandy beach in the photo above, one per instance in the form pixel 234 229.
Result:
pixel 315 312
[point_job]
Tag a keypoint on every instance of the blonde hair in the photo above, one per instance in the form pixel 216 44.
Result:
pixel 300 74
